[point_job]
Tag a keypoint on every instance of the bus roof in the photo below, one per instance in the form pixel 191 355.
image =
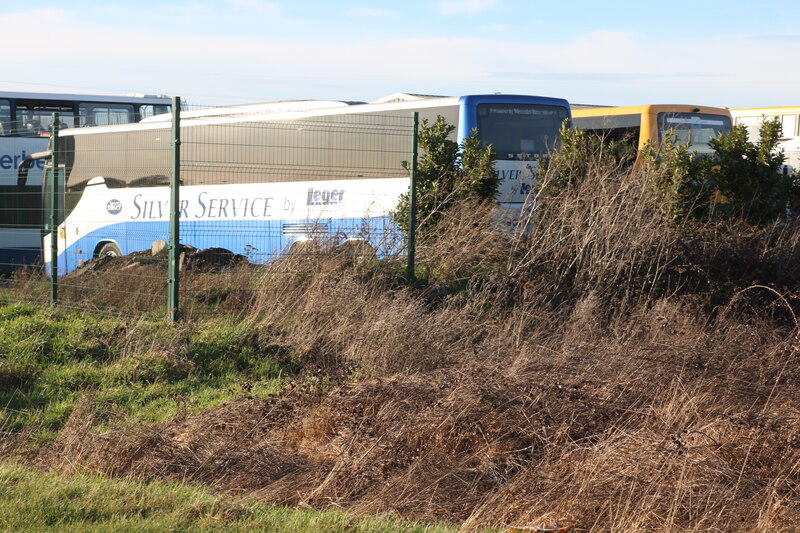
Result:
pixel 765 110
pixel 648 109
pixel 586 106
pixel 305 109
pixel 404 97
pixel 143 98
pixel 280 106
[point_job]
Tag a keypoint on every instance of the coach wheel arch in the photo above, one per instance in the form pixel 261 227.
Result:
pixel 107 249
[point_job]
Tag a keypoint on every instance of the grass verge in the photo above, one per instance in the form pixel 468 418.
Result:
pixel 136 371
pixel 32 501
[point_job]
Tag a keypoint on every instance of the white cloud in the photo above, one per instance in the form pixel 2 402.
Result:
pixel 601 66
pixel 258 7
pixel 375 14
pixel 457 7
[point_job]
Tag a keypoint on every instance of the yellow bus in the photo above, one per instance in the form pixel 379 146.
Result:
pixel 752 117
pixel 647 124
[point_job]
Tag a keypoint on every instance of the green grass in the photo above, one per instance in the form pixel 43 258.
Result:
pixel 32 501
pixel 142 371
pixel 136 373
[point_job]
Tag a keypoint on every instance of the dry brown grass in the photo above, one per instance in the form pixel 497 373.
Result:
pixel 671 429
pixel 607 370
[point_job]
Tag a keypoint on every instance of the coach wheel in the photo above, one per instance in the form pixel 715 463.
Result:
pixel 109 249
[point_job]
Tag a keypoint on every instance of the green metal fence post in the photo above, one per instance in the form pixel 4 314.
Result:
pixel 174 222
pixel 412 205
pixel 54 213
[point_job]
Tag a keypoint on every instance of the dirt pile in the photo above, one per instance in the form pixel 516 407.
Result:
pixel 137 282
pixel 190 259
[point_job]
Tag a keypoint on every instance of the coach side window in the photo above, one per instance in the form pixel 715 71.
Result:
pixel 625 128
pixel 105 114
pixel 148 110
pixel 789 123
pixel 35 120
pixel 5 117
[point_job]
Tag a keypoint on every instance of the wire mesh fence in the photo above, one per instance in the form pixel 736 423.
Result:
pixel 21 207
pixel 261 190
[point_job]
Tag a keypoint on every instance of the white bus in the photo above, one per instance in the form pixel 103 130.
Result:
pixel 789 117
pixel 25 126
pixel 257 179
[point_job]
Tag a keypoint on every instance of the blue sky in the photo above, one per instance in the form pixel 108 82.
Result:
pixel 733 53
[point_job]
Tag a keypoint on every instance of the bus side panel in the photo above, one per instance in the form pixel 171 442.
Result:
pixel 649 135
pixel 20 205
pixel 259 221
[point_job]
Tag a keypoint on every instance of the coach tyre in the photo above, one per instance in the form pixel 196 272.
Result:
pixel 109 249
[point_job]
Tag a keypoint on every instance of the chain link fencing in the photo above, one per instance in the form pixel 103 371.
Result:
pixel 255 190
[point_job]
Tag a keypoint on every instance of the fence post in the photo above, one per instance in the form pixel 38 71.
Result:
pixel 412 205
pixel 174 214
pixel 54 212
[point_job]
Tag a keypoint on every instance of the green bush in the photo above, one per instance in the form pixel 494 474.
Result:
pixel 740 180
pixel 580 153
pixel 447 173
